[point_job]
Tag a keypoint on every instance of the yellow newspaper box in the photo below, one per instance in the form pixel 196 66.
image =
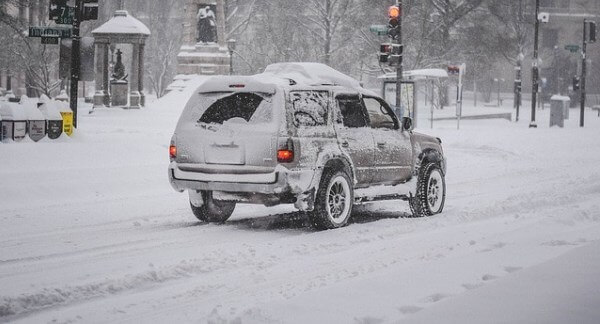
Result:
pixel 67 116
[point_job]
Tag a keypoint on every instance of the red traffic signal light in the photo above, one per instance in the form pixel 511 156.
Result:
pixel 453 69
pixel 592 32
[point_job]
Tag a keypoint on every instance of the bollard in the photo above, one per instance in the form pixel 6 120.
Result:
pixel 559 106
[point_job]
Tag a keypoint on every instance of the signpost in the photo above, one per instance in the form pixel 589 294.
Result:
pixel 589 37
pixel 62 14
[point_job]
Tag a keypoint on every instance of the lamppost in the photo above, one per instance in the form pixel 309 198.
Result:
pixel 231 43
pixel 536 69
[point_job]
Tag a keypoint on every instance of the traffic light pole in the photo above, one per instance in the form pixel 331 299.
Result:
pixel 399 68
pixel 536 70
pixel 583 73
pixel 76 59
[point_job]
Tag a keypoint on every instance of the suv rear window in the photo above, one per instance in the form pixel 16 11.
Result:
pixel 248 107
pixel 309 107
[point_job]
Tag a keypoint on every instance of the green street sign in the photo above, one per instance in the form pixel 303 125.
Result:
pixel 572 48
pixel 58 32
pixel 66 16
pixel 50 40
pixel 379 30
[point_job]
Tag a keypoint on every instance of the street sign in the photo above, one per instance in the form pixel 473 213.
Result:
pixel 50 40
pixel 60 32
pixel 66 17
pixel 572 48
pixel 61 12
pixel 379 30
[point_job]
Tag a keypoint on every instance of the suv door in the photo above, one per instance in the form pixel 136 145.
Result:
pixel 393 149
pixel 355 137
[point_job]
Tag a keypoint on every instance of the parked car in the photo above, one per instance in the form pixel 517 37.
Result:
pixel 302 134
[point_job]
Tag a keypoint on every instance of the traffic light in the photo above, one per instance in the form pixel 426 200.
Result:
pixel 453 69
pixel 394 14
pixel 390 53
pixel 576 83
pixel 384 52
pixel 90 10
pixel 592 32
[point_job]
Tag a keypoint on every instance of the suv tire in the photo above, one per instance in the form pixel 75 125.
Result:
pixel 431 192
pixel 334 200
pixel 213 211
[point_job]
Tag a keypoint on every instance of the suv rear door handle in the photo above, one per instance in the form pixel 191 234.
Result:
pixel 345 144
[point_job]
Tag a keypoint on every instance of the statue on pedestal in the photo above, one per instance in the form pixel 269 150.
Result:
pixel 204 50
pixel 207 24
pixel 118 84
pixel 119 69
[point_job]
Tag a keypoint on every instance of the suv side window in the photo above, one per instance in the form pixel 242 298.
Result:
pixel 309 107
pixel 352 111
pixel 380 114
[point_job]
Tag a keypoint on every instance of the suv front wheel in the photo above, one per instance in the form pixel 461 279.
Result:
pixel 334 200
pixel 431 192
pixel 213 211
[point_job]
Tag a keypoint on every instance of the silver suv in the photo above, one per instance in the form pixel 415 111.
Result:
pixel 302 134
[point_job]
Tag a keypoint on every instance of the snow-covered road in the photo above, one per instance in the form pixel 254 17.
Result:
pixel 92 232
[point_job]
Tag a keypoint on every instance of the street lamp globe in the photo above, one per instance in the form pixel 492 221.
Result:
pixel 231 44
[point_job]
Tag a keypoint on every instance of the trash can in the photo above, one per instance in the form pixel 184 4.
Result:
pixel 36 122
pixel 54 121
pixel 67 117
pixel 559 110
pixel 14 121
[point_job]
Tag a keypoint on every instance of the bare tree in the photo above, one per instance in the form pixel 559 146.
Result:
pixel 160 69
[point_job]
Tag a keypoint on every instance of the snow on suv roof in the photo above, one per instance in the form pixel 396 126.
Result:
pixel 311 74
pixel 282 74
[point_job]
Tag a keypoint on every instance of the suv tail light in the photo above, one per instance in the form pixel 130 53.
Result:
pixel 172 152
pixel 285 154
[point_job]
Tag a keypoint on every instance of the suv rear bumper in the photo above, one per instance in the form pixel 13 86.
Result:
pixel 279 182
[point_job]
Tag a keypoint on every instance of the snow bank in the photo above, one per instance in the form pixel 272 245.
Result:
pixel 32 111
pixel 12 111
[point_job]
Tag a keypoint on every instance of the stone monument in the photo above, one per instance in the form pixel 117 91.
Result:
pixel 122 28
pixel 118 83
pixel 204 50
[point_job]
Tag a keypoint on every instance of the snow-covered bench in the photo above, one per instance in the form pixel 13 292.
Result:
pixel 597 108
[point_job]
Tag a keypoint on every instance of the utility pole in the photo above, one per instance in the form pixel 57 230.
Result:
pixel 76 59
pixel 536 70
pixel 399 68
pixel 518 84
pixel 583 73
pixel 519 70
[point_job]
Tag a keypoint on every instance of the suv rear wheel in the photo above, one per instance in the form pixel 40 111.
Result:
pixel 213 211
pixel 431 192
pixel 334 200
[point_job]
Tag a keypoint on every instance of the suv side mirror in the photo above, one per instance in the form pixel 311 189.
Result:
pixel 407 123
